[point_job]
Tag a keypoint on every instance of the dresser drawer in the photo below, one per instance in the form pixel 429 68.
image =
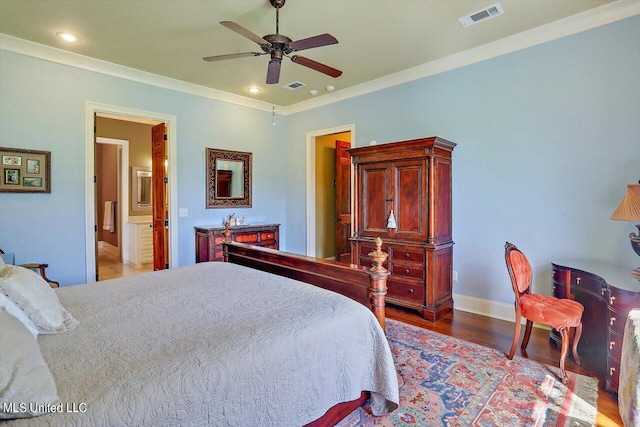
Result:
pixel 613 372
pixel 561 275
pixel 407 270
pixel 267 235
pixel 614 344
pixel 366 262
pixel 405 290
pixel 559 290
pixel 365 248
pixel 588 282
pixel 622 301
pixel 409 254
pixel 247 238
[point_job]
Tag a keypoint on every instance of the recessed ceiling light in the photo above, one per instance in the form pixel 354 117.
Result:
pixel 254 89
pixel 68 37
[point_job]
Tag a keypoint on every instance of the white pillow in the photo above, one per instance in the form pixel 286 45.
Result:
pixel 24 376
pixel 15 311
pixel 33 295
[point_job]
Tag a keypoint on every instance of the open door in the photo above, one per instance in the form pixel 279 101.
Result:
pixel 343 201
pixel 159 199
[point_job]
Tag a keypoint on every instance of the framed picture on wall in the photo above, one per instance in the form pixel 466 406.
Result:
pixel 25 171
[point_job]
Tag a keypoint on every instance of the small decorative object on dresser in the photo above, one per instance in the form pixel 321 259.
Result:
pixel 629 210
pixel 209 239
pixel 607 293
pixel 403 196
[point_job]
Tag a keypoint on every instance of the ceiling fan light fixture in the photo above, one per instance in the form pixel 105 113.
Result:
pixel 68 37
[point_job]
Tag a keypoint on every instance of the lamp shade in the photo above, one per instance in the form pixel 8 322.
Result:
pixel 629 209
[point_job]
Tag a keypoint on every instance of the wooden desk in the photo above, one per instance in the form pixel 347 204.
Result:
pixel 608 292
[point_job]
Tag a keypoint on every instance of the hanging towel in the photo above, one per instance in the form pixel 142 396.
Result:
pixel 108 222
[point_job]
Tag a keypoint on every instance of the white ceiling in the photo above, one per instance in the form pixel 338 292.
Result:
pixel 377 38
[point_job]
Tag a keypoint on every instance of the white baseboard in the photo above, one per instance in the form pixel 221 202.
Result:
pixel 485 307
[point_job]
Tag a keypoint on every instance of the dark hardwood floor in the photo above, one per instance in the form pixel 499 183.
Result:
pixel 498 334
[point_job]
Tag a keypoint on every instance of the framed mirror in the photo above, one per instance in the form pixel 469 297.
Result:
pixel 140 189
pixel 228 179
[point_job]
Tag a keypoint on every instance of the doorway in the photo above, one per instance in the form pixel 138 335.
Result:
pixel 92 223
pixel 325 224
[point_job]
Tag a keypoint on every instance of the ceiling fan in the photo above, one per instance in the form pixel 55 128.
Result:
pixel 279 46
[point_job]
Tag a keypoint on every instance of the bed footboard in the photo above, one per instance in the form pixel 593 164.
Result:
pixel 366 286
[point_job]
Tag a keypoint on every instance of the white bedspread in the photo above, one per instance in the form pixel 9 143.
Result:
pixel 213 344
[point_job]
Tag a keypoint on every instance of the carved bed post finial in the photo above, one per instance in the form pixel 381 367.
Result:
pixel 227 233
pixel 227 239
pixel 378 281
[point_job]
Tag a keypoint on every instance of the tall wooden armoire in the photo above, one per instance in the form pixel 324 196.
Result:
pixel 412 179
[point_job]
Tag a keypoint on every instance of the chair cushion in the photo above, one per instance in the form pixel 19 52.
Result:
pixel 556 312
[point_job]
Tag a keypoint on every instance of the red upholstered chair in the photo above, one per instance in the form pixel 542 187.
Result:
pixel 561 314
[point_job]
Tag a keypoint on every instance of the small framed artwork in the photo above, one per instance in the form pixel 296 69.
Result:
pixel 25 171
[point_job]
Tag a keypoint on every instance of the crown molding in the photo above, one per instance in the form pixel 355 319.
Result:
pixel 71 59
pixel 587 20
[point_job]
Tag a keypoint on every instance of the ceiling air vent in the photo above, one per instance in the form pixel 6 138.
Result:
pixel 481 15
pixel 294 85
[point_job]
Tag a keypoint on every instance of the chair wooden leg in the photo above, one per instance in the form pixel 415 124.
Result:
pixel 576 338
pixel 527 334
pixel 563 353
pixel 516 336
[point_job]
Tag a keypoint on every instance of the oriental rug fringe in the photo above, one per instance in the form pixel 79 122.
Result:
pixel 446 381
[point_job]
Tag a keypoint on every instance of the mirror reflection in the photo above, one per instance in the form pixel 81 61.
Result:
pixel 229 178
pixel 140 189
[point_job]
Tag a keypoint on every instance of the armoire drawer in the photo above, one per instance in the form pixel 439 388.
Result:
pixel 401 253
pixel 405 290
pixel 414 271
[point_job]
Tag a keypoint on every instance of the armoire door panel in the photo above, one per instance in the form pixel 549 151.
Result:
pixel 443 208
pixel 409 197
pixel 374 207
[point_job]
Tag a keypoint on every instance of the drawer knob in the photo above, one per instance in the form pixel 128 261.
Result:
pixel 410 290
pixel 611 321
pixel 407 255
pixel 612 344
pixel 578 279
pixel 611 300
pixel 406 271
pixel 612 371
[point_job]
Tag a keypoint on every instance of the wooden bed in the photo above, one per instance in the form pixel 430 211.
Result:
pixel 366 286
pixel 197 345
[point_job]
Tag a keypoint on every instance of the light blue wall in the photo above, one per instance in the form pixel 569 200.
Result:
pixel 548 138
pixel 42 107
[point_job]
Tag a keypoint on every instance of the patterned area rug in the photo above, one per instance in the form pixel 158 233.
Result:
pixel 445 381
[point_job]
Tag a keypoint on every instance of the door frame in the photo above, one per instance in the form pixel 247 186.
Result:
pixel 123 192
pixel 93 108
pixel 311 180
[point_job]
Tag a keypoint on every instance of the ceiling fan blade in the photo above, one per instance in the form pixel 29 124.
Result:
pixel 244 32
pixel 314 65
pixel 273 71
pixel 311 42
pixel 231 56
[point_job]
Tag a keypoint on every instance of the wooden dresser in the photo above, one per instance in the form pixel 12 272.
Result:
pixel 209 239
pixel 412 178
pixel 607 292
